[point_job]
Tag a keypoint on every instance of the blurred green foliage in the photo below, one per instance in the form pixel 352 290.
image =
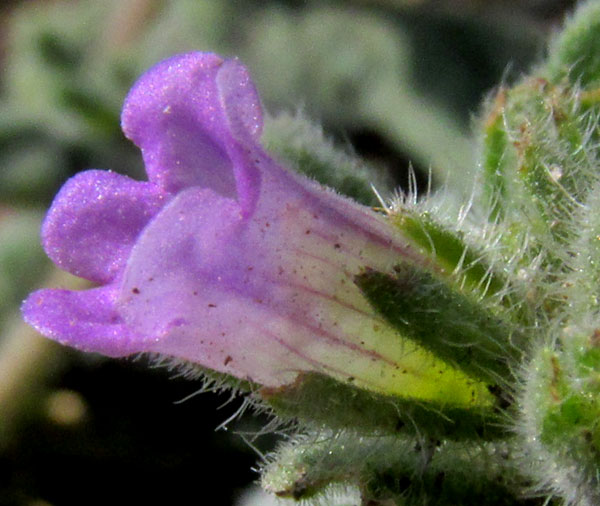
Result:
pixel 352 68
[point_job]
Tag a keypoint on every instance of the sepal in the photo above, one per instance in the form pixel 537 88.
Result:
pixel 448 252
pixel 395 470
pixel 453 326
pixel 317 400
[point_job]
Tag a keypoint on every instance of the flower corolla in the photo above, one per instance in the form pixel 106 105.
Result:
pixel 223 258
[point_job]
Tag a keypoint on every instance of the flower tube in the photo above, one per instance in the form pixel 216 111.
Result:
pixel 224 258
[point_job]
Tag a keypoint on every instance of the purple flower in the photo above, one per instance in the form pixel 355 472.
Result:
pixel 223 258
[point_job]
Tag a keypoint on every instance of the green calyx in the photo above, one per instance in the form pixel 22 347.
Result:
pixel 451 325
pixel 448 251
pixel 317 400
pixel 399 470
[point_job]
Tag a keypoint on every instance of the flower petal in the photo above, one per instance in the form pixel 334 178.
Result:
pixel 85 320
pixel 94 221
pixel 177 113
pixel 241 103
pixel 188 282
pixel 267 300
